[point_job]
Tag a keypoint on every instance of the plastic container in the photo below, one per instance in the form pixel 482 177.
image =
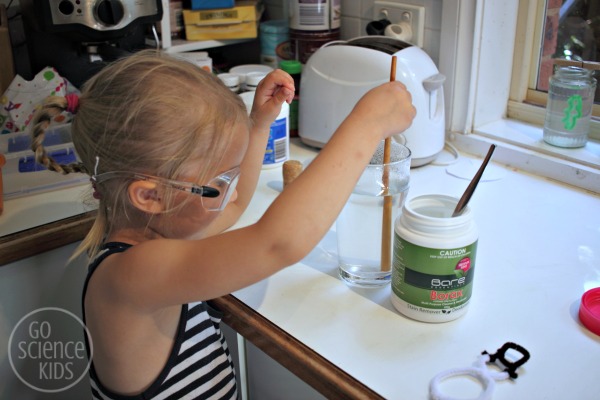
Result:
pixel 199 58
pixel 569 107
pixel 434 259
pixel 253 79
pixel 278 146
pixel 243 70
pixel 274 42
pixel 294 68
pixel 589 310
pixel 232 81
pixel 22 175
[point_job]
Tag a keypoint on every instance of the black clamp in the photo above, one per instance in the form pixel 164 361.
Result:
pixel 511 367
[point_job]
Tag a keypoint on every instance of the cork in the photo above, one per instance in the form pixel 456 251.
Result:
pixel 291 170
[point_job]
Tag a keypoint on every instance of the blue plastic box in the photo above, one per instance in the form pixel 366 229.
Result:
pixel 22 175
pixel 209 4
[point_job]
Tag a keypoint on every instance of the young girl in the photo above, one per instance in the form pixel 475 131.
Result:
pixel 174 161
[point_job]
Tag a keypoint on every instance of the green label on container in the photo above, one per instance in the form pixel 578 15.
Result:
pixel 294 115
pixel 434 279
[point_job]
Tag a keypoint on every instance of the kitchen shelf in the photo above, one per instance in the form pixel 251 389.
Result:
pixel 181 45
pixel 170 45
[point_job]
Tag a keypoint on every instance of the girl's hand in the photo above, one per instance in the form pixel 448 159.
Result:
pixel 387 109
pixel 272 91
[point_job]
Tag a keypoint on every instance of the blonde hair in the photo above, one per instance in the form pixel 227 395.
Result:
pixel 148 113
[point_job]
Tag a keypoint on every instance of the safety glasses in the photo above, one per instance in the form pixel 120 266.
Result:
pixel 215 194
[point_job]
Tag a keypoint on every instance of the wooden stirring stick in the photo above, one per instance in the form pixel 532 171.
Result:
pixel 462 203
pixel 386 222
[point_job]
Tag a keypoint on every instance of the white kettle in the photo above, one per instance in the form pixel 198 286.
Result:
pixel 338 74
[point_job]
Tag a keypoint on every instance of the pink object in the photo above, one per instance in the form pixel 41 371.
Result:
pixel 72 103
pixel 589 310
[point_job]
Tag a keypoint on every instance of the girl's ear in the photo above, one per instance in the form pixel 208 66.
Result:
pixel 144 196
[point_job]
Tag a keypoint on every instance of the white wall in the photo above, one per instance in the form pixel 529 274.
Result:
pixel 356 14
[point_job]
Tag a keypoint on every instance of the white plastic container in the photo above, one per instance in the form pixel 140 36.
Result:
pixel 198 58
pixel 278 146
pixel 243 70
pixel 434 259
pixel 232 81
pixel 253 79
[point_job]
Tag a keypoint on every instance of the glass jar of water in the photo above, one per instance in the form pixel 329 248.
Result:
pixel 569 107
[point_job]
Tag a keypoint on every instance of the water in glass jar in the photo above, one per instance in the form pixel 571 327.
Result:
pixel 359 233
pixel 569 107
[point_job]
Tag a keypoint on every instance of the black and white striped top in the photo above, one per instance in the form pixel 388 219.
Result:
pixel 199 366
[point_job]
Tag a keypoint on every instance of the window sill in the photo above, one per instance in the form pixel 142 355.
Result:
pixel 519 145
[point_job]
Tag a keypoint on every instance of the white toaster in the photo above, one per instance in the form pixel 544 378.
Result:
pixel 338 74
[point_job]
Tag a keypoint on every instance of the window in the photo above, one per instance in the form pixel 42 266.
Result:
pixel 570 36
pixel 490 52
pixel 567 32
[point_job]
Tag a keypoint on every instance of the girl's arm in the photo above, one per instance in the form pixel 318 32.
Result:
pixel 169 272
pixel 272 91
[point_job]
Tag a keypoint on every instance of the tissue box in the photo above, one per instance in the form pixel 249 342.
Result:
pixel 21 175
pixel 239 22
pixel 208 4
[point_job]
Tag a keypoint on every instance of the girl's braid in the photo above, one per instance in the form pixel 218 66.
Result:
pixel 51 107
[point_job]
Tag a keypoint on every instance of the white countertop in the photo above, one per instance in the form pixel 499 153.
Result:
pixel 538 251
pixel 42 208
